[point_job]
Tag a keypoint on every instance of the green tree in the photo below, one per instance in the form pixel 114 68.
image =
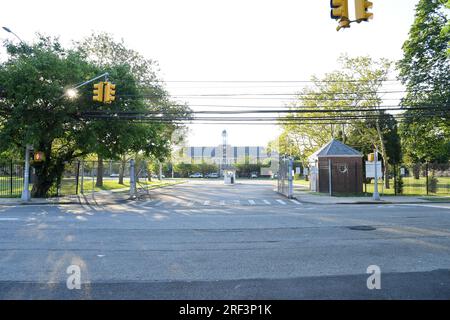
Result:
pixel 114 57
pixel 34 110
pixel 336 96
pixel 425 70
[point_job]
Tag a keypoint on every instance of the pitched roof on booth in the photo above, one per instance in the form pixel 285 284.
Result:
pixel 335 148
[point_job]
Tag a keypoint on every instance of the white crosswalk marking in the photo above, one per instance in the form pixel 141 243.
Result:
pixel 252 202
pixel 145 203
pixel 281 201
pixel 295 201
pixel 266 202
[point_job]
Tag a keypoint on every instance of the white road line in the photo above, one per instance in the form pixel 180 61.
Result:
pixel 252 202
pixel 206 203
pixel 294 201
pixel 424 205
pixel 222 202
pixel 281 201
pixel 9 219
pixel 266 202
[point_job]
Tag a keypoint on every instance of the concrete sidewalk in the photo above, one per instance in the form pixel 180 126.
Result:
pixel 308 197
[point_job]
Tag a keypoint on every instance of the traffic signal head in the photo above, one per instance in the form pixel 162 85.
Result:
pixel 339 9
pixel 39 156
pixel 362 10
pixel 98 92
pixel 110 92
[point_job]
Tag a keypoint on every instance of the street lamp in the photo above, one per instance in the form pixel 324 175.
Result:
pixel 10 31
pixel 72 93
pixel 26 174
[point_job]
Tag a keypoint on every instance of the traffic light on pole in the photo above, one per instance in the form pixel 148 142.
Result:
pixel 339 11
pixel 98 92
pixel 110 92
pixel 362 10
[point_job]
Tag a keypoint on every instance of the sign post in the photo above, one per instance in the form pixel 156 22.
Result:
pixel 376 195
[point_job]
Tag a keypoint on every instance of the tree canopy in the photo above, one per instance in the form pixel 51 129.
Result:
pixel 425 71
pixel 35 110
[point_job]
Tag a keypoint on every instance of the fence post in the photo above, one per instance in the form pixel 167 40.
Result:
pixel 11 178
pixel 132 179
pixel 77 177
pixel 395 179
pixel 330 189
pixel 82 177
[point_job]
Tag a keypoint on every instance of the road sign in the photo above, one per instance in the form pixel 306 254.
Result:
pixel 370 169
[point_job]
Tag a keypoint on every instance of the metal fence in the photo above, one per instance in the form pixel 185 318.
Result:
pixel 285 177
pixel 79 176
pixel 349 177
pixel 11 178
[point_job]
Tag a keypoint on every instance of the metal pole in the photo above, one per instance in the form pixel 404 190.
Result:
pixel 290 178
pixel 160 171
pixel 330 189
pixel 26 176
pixel 11 177
pixel 132 179
pixel 82 177
pixel 376 195
pixel 426 175
pixel 77 177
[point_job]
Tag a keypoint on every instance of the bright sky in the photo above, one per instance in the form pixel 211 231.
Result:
pixel 222 40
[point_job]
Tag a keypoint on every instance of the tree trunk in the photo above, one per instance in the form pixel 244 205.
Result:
pixel 46 176
pixel 99 182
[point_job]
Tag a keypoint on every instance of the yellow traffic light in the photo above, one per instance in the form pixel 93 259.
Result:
pixel 362 8
pixel 98 92
pixel 110 91
pixel 339 11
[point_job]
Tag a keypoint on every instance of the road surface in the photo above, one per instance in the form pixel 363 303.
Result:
pixel 205 240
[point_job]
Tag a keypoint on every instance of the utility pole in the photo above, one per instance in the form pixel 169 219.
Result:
pixel 26 175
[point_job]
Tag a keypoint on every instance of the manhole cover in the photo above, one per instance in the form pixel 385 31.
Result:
pixel 362 228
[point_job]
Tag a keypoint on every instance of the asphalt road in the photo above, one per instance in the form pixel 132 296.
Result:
pixel 205 240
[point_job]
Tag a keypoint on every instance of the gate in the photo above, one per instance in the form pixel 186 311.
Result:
pixel 285 177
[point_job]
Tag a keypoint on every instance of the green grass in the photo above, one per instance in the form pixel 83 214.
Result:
pixel 68 186
pixel 412 187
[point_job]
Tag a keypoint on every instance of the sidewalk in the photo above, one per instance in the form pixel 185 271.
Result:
pixel 305 196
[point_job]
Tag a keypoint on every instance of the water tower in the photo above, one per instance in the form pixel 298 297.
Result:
pixel 224 148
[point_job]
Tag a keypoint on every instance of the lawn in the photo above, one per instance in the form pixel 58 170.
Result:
pixel 411 187
pixel 68 186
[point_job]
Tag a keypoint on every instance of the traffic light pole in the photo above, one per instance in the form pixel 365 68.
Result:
pixel 105 75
